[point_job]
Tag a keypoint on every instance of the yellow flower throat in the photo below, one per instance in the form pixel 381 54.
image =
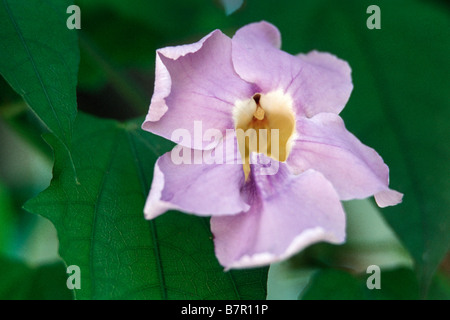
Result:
pixel 264 124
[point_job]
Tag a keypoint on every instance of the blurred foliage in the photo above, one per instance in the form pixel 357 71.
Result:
pixel 399 106
pixel 397 284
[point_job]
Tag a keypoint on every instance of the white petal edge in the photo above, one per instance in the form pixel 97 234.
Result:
pixel 300 242
pixel 388 198
pixel 154 206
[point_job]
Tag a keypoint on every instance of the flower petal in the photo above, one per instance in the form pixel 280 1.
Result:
pixel 205 188
pixel 326 85
pixel 163 81
pixel 317 82
pixel 388 198
pixel 304 210
pixel 195 82
pixel 355 170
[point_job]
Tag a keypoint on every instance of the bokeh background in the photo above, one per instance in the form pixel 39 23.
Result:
pixel 400 106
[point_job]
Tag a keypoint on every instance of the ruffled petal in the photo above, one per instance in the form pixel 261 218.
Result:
pixel 163 81
pixel 197 182
pixel 195 82
pixel 317 82
pixel 291 213
pixel 355 170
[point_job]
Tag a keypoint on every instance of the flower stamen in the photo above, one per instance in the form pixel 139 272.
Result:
pixel 259 113
pixel 264 124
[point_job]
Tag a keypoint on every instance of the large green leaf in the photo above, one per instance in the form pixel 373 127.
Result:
pixel 400 103
pixel 39 58
pixel 101 226
pixel 19 281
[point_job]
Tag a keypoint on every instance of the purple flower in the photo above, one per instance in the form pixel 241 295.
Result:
pixel 247 84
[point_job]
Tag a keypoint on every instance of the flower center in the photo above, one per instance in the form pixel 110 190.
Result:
pixel 264 124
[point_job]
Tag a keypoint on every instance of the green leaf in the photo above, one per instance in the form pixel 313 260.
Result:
pixel 6 217
pixel 397 284
pixel 288 279
pixel 50 283
pixel 21 282
pixel 330 284
pixel 39 58
pixel 406 107
pixel 440 287
pixel 101 225
pixel 399 105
